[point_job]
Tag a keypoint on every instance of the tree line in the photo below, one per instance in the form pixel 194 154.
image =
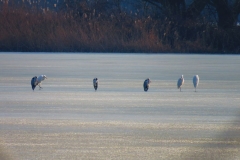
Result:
pixel 156 26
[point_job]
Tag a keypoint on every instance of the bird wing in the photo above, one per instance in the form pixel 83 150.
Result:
pixel 34 82
pixel 179 83
pixel 145 85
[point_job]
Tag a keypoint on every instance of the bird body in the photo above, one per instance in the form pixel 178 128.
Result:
pixel 37 81
pixel 41 78
pixel 95 83
pixel 146 84
pixel 180 82
pixel 195 81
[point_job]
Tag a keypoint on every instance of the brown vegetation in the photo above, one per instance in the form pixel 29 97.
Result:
pixel 22 30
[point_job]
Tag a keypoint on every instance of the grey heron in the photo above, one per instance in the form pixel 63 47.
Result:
pixel 180 82
pixel 146 84
pixel 95 83
pixel 36 81
pixel 195 82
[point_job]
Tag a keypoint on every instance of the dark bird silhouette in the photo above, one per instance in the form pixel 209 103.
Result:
pixel 95 83
pixel 146 84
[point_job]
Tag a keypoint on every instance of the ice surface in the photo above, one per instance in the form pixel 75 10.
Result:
pixel 67 119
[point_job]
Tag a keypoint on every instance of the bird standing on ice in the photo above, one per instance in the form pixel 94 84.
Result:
pixel 36 81
pixel 180 82
pixel 95 83
pixel 195 82
pixel 146 84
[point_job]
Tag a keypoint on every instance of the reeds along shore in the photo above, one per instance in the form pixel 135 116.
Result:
pixel 23 30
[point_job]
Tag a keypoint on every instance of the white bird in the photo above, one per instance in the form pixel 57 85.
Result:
pixel 195 82
pixel 180 82
pixel 95 83
pixel 36 81
pixel 146 84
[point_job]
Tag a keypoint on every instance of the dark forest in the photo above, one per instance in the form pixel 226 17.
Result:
pixel 133 26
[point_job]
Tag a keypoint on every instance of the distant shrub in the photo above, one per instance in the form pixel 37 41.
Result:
pixel 25 30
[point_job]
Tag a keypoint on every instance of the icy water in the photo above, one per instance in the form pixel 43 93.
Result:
pixel 67 119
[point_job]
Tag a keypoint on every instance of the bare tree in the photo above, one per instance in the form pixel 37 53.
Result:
pixel 195 8
pixel 227 12
pixel 169 8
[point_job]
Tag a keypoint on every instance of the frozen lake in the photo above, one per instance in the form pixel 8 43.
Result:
pixel 67 119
